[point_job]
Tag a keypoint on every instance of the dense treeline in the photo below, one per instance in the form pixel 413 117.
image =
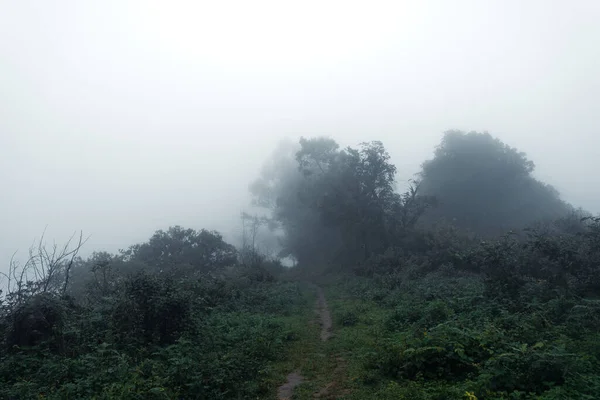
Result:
pixel 498 271
pixel 339 206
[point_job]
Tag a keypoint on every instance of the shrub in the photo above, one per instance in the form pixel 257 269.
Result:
pixel 151 310
pixel 443 353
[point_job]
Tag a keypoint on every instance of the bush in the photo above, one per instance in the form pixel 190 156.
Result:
pixel 38 319
pixel 151 311
pixel 348 318
pixel 445 353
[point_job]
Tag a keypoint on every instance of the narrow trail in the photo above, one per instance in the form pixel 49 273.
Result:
pixel 332 388
pixel 324 316
pixel 285 391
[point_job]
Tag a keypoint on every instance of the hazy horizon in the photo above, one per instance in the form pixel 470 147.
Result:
pixel 123 117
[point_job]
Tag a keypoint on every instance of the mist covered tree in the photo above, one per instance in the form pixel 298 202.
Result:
pixel 201 250
pixel 336 204
pixel 354 191
pixel 280 190
pixel 486 186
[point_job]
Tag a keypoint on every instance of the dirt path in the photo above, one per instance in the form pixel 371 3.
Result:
pixel 333 388
pixel 294 379
pixel 324 316
pixel 286 390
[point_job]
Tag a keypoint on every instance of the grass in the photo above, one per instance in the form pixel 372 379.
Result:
pixel 435 340
pixel 358 334
pixel 304 353
pixel 315 360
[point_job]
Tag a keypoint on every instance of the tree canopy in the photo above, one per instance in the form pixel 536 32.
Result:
pixel 337 204
pixel 486 186
pixel 203 250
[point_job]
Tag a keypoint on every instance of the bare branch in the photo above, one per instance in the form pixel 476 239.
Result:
pixel 44 268
pixel 8 275
pixel 70 264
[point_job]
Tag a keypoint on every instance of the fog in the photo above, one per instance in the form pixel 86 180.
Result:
pixel 122 117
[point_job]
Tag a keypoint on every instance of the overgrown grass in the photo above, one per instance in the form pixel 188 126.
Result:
pixel 308 355
pixel 238 343
pixel 437 338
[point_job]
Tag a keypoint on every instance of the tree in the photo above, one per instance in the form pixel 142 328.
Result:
pixel 486 186
pixel 203 250
pixel 36 304
pixel 250 253
pixel 354 191
pixel 282 191
pixel 98 275
pixel 342 206
pixel 47 270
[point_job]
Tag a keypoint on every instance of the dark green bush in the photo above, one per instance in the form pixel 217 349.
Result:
pixel 445 353
pixel 349 318
pixel 151 310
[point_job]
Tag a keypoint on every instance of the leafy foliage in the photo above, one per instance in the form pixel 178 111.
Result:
pixel 543 265
pixel 439 335
pixel 129 330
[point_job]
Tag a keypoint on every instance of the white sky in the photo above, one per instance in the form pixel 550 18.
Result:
pixel 123 117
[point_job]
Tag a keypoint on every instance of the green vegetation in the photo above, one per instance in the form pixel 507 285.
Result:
pixel 477 283
pixel 135 330
pixel 440 337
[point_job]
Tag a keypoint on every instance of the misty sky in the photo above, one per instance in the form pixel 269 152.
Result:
pixel 123 117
